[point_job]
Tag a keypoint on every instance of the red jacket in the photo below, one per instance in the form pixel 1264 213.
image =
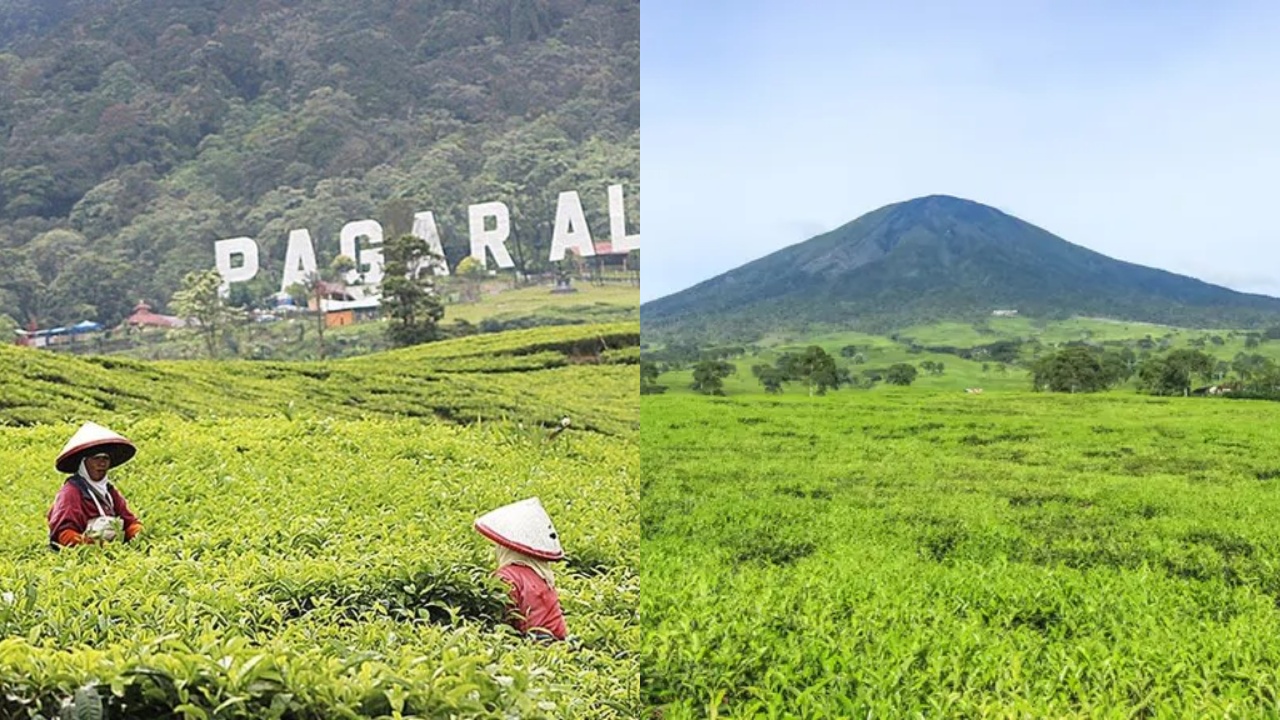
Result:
pixel 537 604
pixel 73 508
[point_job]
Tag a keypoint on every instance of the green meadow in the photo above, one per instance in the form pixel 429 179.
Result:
pixel 909 553
pixel 308 550
pixel 590 302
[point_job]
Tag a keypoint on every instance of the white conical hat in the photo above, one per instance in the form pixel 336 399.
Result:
pixel 92 436
pixel 524 527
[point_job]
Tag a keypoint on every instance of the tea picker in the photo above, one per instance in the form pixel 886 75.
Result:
pixel 88 508
pixel 526 544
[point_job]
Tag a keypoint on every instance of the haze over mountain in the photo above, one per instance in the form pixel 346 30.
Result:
pixel 939 258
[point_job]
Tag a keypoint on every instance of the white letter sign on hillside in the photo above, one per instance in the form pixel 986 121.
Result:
pixel 299 260
pixel 494 240
pixel 424 226
pixel 622 242
pixel 571 231
pixel 225 250
pixel 369 260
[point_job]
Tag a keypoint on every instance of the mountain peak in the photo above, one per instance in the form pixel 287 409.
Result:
pixel 940 257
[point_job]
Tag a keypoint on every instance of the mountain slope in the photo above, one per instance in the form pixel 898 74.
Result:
pixel 939 258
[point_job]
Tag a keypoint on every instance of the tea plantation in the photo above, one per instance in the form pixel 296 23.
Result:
pixel 924 554
pixel 308 550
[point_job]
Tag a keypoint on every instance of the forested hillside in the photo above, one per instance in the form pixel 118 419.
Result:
pixel 136 133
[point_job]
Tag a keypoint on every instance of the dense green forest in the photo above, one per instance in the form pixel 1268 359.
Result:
pixel 136 133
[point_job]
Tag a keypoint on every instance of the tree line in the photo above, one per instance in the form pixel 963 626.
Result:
pixel 1077 367
pixel 813 369
pixel 1176 372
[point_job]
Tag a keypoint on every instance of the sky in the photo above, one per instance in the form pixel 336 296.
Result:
pixel 1147 131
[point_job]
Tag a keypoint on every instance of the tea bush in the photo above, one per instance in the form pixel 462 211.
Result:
pixel 909 554
pixel 308 558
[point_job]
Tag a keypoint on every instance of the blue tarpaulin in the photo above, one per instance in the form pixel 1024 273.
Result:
pixel 85 327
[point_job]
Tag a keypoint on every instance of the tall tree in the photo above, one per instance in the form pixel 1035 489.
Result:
pixel 814 367
pixel 817 369
pixel 200 300
pixel 409 298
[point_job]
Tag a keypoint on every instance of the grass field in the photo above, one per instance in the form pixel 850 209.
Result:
pixel 915 553
pixel 308 550
pixel 589 303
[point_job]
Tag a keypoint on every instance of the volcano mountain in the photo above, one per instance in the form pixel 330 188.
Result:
pixel 939 258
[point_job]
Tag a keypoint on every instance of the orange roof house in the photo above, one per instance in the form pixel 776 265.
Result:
pixel 143 317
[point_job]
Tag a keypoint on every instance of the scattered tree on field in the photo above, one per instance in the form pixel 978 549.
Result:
pixel 1172 374
pixel 933 367
pixel 900 374
pixel 814 367
pixel 1080 368
pixel 770 377
pixel 709 375
pixel 649 372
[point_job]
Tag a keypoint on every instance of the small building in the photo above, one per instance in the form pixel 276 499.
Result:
pixel 339 318
pixel 1004 313
pixel 56 336
pixel 346 312
pixel 283 302
pixel 606 258
pixel 143 317
pixel 329 294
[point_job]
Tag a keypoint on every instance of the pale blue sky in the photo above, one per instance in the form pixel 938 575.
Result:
pixel 1148 131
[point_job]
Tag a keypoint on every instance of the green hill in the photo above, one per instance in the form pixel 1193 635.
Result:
pixel 134 134
pixel 933 259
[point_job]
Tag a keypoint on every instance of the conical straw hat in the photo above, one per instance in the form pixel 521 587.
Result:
pixel 93 437
pixel 524 527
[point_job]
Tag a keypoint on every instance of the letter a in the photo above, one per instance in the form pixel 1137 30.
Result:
pixel 571 231
pixel 299 260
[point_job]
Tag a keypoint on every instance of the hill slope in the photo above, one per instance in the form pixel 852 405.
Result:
pixel 938 258
pixel 536 376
